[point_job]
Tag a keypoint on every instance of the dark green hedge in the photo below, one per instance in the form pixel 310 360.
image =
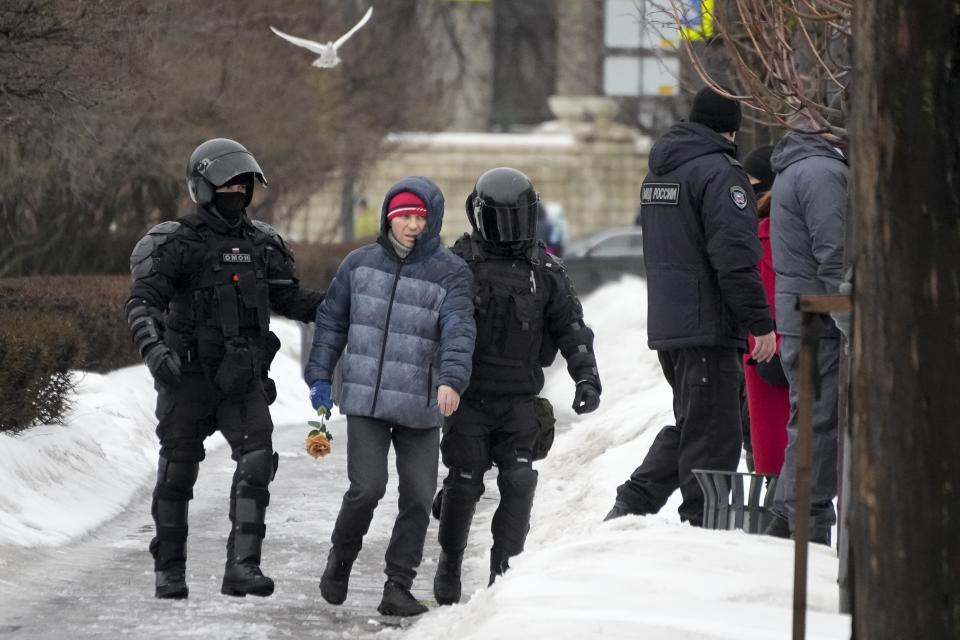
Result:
pixel 48 326
pixel 317 263
pixel 52 324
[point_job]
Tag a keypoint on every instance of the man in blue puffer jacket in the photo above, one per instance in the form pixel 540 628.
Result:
pixel 403 310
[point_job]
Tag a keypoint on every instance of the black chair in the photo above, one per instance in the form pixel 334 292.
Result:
pixel 732 500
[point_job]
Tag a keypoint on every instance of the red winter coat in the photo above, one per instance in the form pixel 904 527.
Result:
pixel 769 405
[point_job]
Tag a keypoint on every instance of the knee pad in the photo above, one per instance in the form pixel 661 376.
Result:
pixel 258 467
pixel 175 480
pixel 520 480
pixel 464 484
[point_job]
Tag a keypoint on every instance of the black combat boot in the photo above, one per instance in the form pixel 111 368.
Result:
pixel 172 584
pixel 398 601
pixel 457 502
pixel 499 564
pixel 777 527
pixel 171 497
pixel 618 511
pixel 446 584
pixel 245 578
pixel 248 507
pixel 511 520
pixel 336 577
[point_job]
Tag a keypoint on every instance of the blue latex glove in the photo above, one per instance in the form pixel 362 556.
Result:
pixel 320 397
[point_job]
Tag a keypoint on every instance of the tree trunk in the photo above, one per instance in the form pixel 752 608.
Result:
pixel 905 246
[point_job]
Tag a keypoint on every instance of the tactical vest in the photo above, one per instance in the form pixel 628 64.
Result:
pixel 227 306
pixel 510 305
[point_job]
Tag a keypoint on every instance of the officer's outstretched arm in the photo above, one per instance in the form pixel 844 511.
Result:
pixel 287 297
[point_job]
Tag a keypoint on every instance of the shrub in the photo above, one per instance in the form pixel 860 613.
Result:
pixel 317 263
pixel 48 326
pixel 37 352
pixel 93 304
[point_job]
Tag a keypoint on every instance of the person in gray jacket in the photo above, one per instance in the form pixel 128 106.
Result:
pixel 809 206
pixel 401 312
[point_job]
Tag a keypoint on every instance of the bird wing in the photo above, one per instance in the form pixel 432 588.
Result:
pixel 316 47
pixel 362 22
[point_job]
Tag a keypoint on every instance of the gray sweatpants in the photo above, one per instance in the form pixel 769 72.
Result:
pixel 823 469
pixel 417 453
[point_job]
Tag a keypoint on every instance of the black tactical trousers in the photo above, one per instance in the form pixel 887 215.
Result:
pixel 195 409
pixel 187 414
pixel 482 432
pixel 706 386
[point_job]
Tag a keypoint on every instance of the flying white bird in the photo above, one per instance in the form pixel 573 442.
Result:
pixel 327 52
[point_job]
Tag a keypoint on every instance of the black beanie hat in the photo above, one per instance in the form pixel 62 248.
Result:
pixel 757 165
pixel 712 110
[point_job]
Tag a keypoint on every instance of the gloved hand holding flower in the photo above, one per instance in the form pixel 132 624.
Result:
pixel 320 397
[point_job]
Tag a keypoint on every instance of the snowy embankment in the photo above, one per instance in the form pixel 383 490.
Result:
pixel 62 481
pixel 579 577
pixel 633 577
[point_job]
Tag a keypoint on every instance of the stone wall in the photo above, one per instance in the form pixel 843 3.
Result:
pixel 585 162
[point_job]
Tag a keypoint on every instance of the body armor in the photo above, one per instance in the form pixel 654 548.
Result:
pixel 511 299
pixel 220 322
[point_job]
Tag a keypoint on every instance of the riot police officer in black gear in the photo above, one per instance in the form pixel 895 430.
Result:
pixel 526 310
pixel 199 310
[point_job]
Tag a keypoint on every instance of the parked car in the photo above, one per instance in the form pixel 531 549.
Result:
pixel 604 256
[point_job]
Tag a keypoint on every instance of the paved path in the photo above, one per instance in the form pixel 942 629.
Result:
pixel 102 586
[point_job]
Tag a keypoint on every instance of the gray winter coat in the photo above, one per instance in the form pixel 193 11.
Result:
pixel 807 215
pixel 407 325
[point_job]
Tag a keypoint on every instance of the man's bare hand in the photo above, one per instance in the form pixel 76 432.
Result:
pixel 764 347
pixel 447 399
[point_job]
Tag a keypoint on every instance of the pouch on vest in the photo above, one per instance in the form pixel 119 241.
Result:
pixel 523 331
pixel 546 423
pixel 271 345
pixel 238 369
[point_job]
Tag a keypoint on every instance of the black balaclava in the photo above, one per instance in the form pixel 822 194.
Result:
pixel 230 204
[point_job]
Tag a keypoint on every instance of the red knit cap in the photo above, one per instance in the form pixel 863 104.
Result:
pixel 406 204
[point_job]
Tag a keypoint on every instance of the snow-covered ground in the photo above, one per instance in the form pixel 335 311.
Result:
pixel 579 578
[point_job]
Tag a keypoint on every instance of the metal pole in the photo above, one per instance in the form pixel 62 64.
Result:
pixel 812 307
pixel 809 337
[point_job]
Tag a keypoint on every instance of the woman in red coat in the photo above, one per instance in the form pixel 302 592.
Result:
pixel 767 391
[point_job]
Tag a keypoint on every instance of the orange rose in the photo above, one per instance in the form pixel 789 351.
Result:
pixel 318 445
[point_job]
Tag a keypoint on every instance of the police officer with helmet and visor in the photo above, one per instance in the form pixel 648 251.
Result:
pixel 526 310
pixel 202 290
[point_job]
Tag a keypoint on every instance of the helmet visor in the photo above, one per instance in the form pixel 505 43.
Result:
pixel 506 224
pixel 219 171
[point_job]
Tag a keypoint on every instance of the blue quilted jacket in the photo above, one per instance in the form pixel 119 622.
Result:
pixel 403 326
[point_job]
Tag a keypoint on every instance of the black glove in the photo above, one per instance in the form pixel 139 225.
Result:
pixel 164 364
pixel 772 372
pixel 586 398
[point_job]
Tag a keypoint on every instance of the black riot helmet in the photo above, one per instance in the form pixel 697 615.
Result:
pixel 504 206
pixel 215 163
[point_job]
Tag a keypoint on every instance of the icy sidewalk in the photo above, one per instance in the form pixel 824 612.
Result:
pixel 102 586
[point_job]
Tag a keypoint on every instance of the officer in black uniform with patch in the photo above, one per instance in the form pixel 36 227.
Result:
pixel 199 310
pixel 526 310
pixel 701 250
